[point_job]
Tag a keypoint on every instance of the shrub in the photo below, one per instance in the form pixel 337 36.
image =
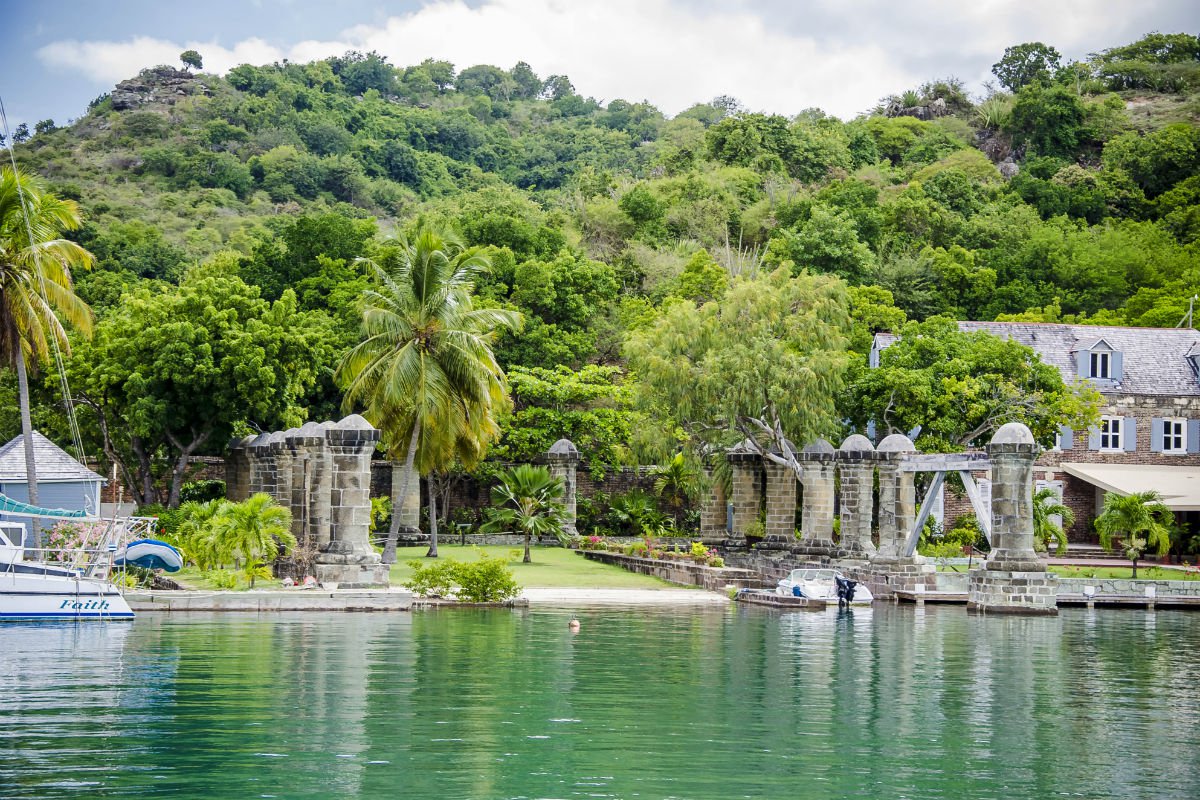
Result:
pixel 716 561
pixel 201 491
pixel 488 580
pixel 433 577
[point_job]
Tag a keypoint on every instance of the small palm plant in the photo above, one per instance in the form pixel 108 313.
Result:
pixel 637 512
pixel 194 536
pixel 677 483
pixel 530 501
pixel 252 533
pixel 1135 523
pixel 1046 505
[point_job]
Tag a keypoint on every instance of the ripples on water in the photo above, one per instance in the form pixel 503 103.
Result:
pixel 888 702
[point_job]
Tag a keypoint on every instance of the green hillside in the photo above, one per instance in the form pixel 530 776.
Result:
pixel 1071 193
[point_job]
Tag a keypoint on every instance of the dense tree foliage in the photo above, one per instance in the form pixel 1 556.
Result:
pixel 630 242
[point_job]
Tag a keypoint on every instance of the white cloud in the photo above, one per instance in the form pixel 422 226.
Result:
pixel 776 56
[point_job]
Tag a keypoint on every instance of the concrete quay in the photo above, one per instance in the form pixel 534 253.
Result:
pixel 272 600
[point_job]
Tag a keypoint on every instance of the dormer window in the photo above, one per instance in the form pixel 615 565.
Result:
pixel 1099 361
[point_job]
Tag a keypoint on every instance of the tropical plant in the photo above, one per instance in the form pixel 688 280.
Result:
pixel 424 372
pixel 1135 523
pixel 1046 505
pixel 36 289
pixel 252 532
pixel 637 514
pixel 193 535
pixel 677 483
pixel 531 500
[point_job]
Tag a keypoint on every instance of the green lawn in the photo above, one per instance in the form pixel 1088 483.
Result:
pixel 552 567
pixel 1144 573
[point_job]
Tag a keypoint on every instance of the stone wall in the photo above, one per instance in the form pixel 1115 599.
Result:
pixel 685 573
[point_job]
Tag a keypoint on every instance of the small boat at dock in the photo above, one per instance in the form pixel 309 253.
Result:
pixel 828 585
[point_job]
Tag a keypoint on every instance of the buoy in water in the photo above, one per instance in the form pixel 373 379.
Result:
pixel 573 625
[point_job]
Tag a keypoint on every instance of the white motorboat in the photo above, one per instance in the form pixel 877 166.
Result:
pixel 823 584
pixel 33 588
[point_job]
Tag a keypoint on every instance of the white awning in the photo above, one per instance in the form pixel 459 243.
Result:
pixel 1178 486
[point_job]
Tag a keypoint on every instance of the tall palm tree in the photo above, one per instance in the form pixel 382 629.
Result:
pixel 35 289
pixel 1137 522
pixel 530 501
pixel 424 372
pixel 252 532
pixel 1046 505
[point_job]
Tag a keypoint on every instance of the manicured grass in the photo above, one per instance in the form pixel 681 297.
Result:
pixel 1144 573
pixel 191 578
pixel 552 567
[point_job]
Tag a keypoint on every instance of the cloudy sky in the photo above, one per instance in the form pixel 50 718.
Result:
pixel 774 55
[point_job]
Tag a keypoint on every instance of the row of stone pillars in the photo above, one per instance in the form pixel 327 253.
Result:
pixel 1012 578
pixel 322 474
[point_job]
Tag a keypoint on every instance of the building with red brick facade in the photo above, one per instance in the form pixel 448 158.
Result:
pixel 1149 434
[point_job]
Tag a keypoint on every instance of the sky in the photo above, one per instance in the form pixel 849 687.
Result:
pixel 778 56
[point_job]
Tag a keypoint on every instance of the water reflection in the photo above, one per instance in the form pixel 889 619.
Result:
pixel 877 702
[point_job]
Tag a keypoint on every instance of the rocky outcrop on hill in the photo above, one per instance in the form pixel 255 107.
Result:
pixel 935 109
pixel 161 85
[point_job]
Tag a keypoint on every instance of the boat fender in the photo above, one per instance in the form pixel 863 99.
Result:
pixel 796 592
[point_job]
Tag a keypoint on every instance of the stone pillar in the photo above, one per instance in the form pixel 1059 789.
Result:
pixel 1014 578
pixel 348 559
pixel 746 465
pixel 237 469
pixel 897 497
pixel 563 459
pixel 780 527
pixel 816 508
pixel 298 491
pixel 891 571
pixel 319 486
pixel 257 453
pixel 713 512
pixel 410 506
pixel 281 455
pixel 856 463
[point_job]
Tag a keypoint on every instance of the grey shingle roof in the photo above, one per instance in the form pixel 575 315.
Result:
pixel 1155 360
pixel 53 463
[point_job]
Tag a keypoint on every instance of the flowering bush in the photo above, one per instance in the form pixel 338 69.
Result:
pixel 64 540
pixel 593 543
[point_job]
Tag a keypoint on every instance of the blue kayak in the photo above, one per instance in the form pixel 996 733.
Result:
pixel 150 554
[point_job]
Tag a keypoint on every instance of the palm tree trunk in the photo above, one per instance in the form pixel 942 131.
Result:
pixel 389 547
pixel 432 519
pixel 1134 576
pixel 27 434
pixel 527 558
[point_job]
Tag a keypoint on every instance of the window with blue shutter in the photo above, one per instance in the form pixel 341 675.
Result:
pixel 1172 435
pixel 1066 438
pixel 1118 366
pixel 1193 435
pixel 1129 435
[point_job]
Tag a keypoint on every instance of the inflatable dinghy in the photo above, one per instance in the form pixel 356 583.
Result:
pixel 150 554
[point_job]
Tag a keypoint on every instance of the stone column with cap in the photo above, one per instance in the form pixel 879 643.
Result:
pixel 816 507
pixel 856 464
pixel 348 559
pixel 780 520
pixel 897 497
pixel 891 570
pixel 281 455
pixel 318 482
pixel 746 482
pixel 257 454
pixel 298 490
pixel 1014 578
pixel 563 461
pixel 237 469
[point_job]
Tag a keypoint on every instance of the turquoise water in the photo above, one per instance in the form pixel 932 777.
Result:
pixel 888 702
